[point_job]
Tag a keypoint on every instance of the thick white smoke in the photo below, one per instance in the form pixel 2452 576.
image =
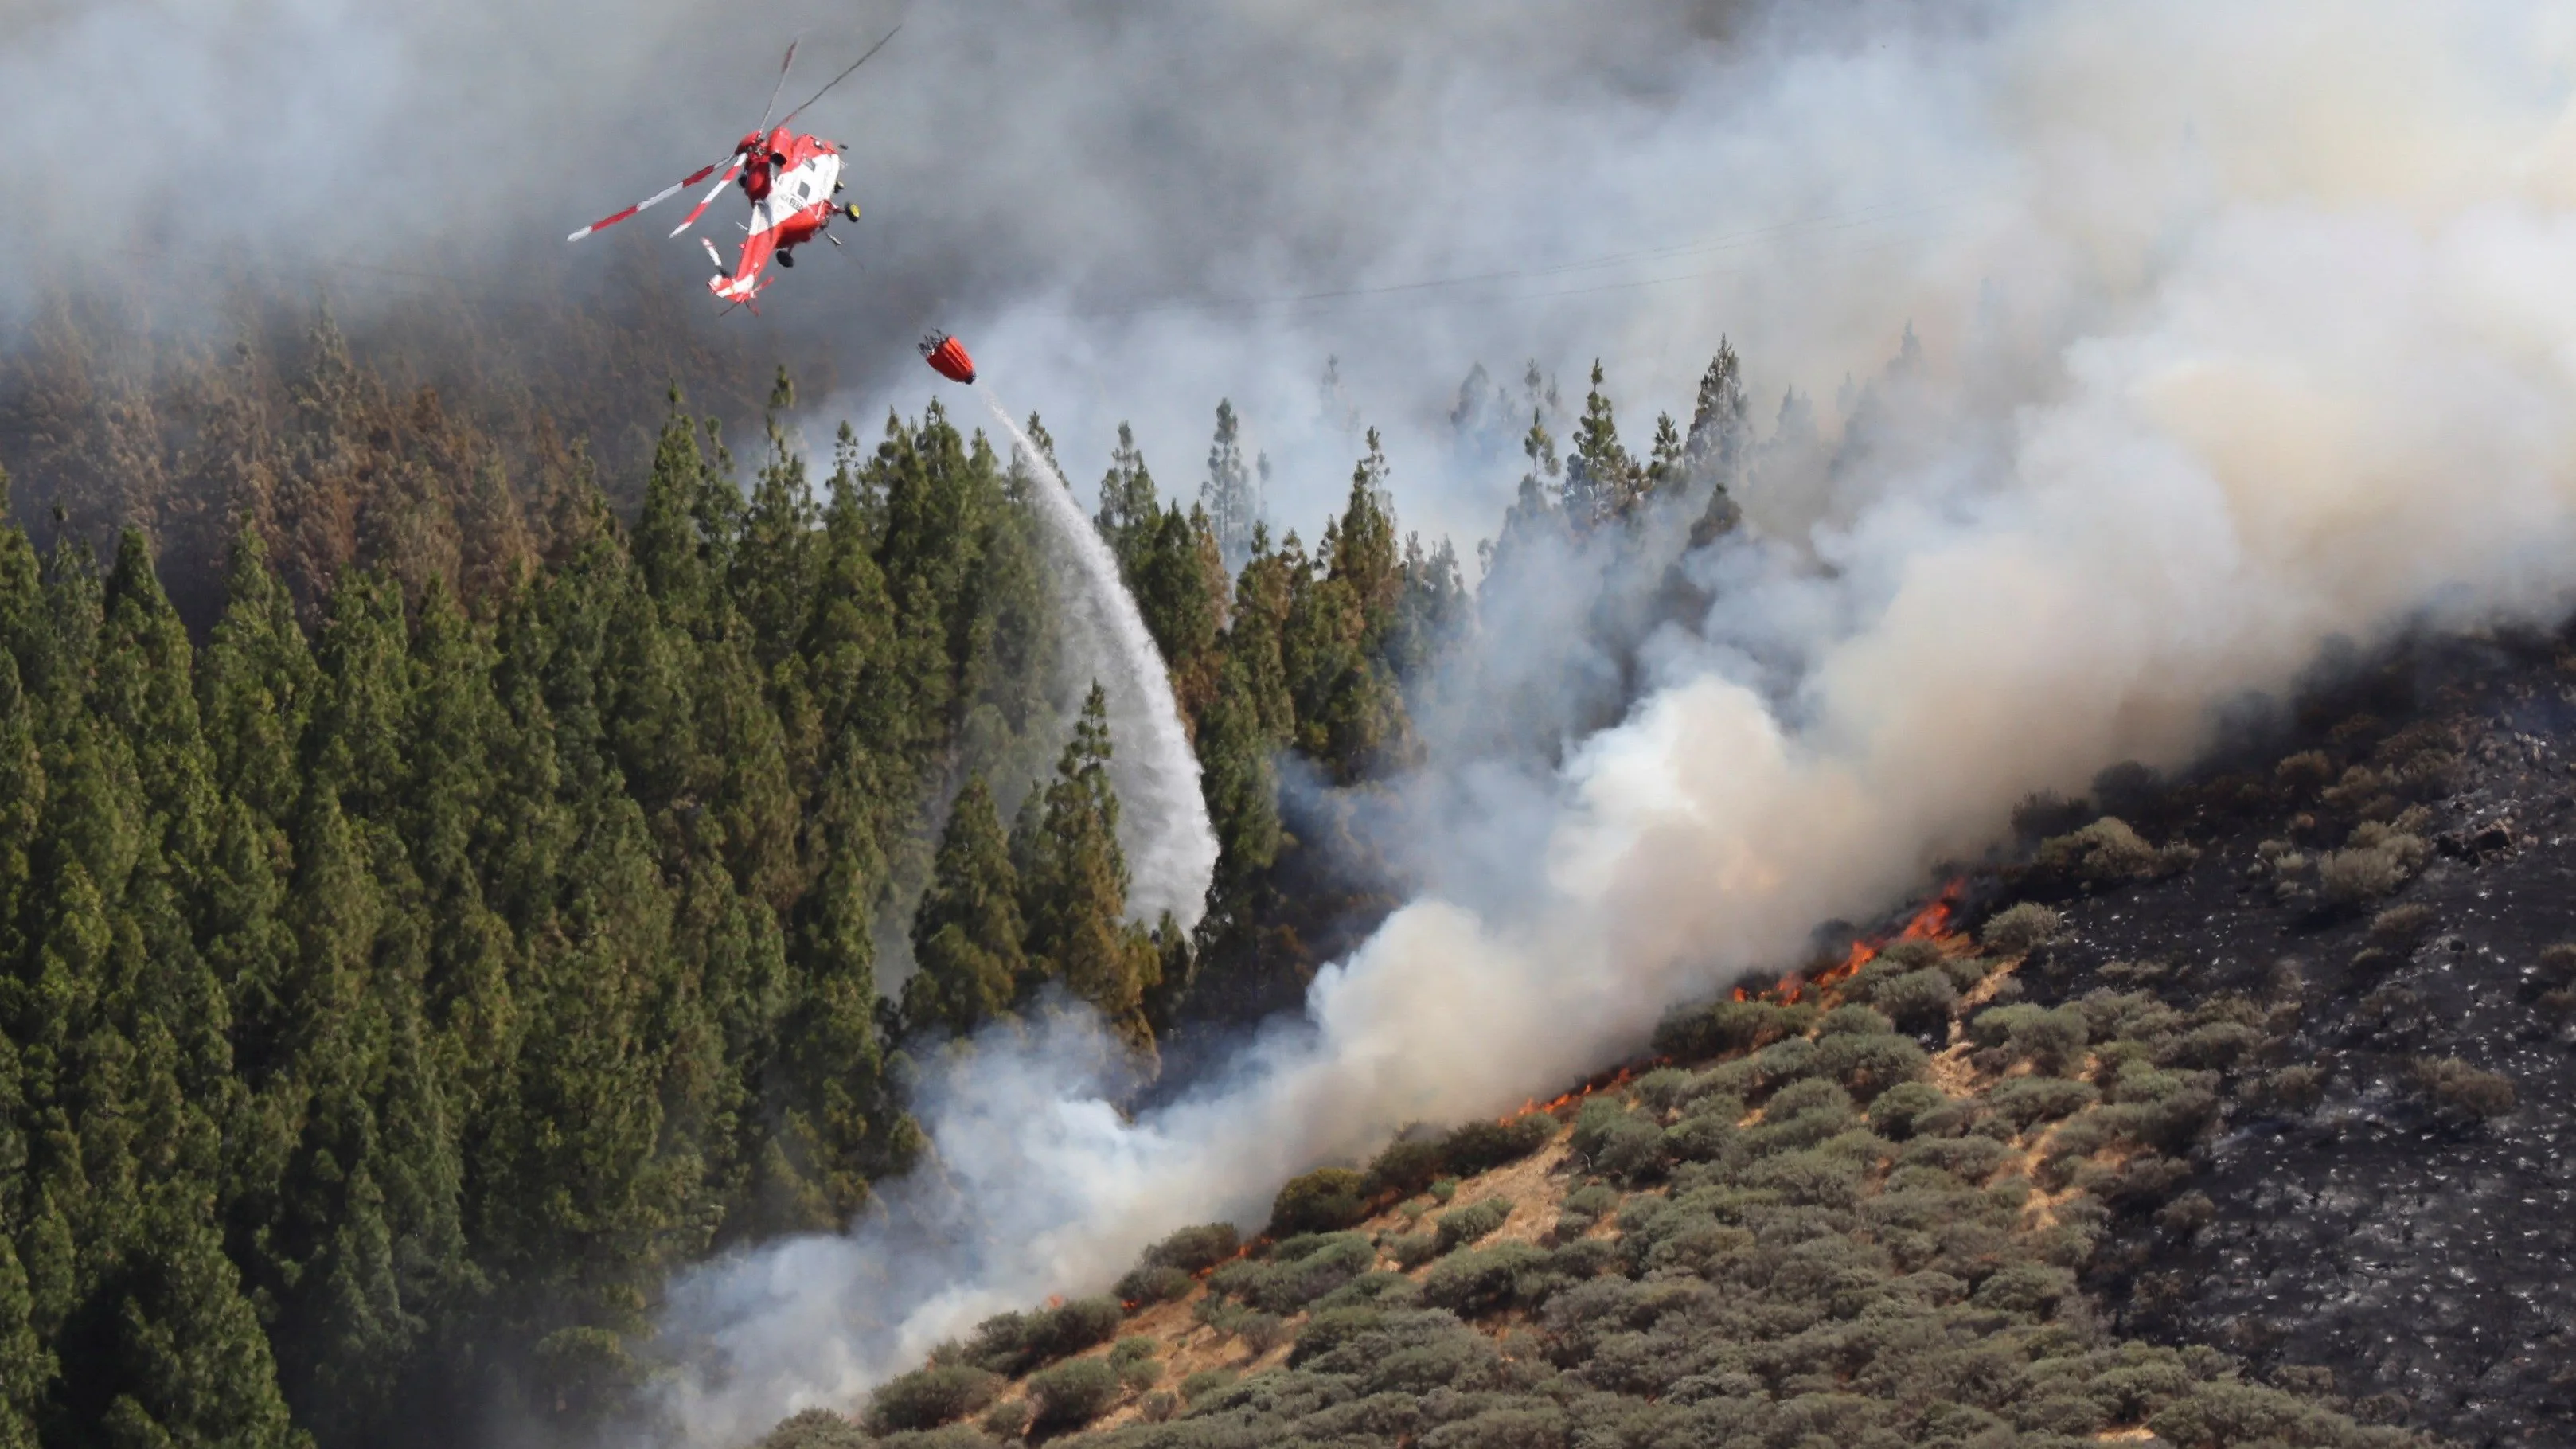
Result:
pixel 2263 331
pixel 1163 821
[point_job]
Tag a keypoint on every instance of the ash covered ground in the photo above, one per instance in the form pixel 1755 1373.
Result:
pixel 2414 1244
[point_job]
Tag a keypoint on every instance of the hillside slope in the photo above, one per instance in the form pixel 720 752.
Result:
pixel 2238 1122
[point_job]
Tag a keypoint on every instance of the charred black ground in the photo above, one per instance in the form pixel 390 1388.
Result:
pixel 2366 1219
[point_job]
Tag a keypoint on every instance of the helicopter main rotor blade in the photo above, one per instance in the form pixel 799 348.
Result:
pixel 836 80
pixel 665 194
pixel 775 87
pixel 709 199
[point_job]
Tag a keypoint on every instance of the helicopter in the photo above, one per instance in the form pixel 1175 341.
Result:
pixel 790 179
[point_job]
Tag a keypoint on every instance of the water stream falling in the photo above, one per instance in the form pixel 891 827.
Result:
pixel 1163 821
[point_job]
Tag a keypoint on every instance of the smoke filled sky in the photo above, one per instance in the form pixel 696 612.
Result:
pixel 1113 202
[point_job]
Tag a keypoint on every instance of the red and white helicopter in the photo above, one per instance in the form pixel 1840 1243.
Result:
pixel 789 178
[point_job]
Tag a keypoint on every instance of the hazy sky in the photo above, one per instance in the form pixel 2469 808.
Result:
pixel 1116 204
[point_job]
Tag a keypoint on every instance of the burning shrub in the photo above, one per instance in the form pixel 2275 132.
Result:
pixel 1323 1201
pixel 1477 1219
pixel 2022 929
pixel 1484 1146
pixel 2463 1090
pixel 1071 1395
pixel 927 1398
pixel 1146 1286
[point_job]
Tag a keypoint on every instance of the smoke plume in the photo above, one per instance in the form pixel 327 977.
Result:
pixel 2253 328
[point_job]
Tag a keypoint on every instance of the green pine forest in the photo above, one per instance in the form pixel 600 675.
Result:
pixel 447 853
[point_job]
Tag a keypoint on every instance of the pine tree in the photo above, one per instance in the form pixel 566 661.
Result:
pixel 1129 512
pixel 1074 888
pixel 1233 506
pixel 1665 469
pixel 966 938
pixel 1534 517
pixel 1601 481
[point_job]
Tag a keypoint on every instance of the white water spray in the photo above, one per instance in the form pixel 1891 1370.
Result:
pixel 1163 825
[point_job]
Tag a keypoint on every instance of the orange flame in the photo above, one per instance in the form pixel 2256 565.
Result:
pixel 1602 1083
pixel 1931 923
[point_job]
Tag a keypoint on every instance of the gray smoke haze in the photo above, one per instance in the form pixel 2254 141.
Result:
pixel 2241 328
pixel 2250 328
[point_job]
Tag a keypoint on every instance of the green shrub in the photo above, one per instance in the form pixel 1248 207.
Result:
pixel 1868 1065
pixel 1703 1136
pixel 1008 1419
pixel 1330 1328
pixel 1476 1220
pixel 1412 1250
pixel 1146 1286
pixel 2052 1040
pixel 2032 1288
pixel 1196 1249
pixel 1402 1168
pixel 816 1429
pixel 1480 1147
pixel 1207 1381
pixel 929 1397
pixel 1917 1001
pixel 2022 929
pixel 1072 1394
pixel 2025 1101
pixel 1853 1020
pixel 1970 1159
pixel 1323 1201
pixel 1896 1112
pixel 1296 1272
pixel 1261 1332
pixel 1373 1289
pixel 1663 1088
pixel 1617 1142
pixel 1697 1033
pixel 1488 1280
